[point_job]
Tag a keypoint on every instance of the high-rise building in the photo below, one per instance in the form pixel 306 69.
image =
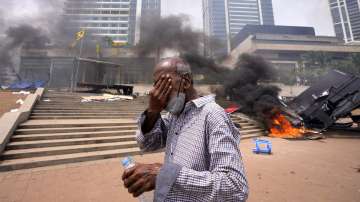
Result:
pixel 223 19
pixel 346 19
pixel 150 10
pixel 103 18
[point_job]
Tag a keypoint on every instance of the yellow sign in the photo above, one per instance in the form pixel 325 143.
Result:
pixel 118 43
pixel 80 35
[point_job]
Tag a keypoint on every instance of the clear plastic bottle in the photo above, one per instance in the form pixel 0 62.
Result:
pixel 128 162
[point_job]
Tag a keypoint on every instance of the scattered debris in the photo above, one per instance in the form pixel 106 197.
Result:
pixel 46 100
pixel 20 101
pixel 14 110
pixel 106 98
pixel 262 146
pixel 27 85
pixel 334 96
pixel 21 93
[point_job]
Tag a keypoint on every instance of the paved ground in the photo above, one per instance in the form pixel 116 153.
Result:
pixel 327 170
pixel 8 101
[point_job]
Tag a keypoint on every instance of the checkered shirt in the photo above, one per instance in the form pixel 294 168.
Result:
pixel 202 158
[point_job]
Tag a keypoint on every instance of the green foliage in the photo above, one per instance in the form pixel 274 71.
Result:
pixel 316 64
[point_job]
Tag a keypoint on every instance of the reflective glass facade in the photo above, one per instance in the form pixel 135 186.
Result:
pixel 223 19
pixel 346 19
pixel 103 18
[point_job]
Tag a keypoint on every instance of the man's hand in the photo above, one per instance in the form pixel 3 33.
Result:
pixel 159 95
pixel 158 101
pixel 141 178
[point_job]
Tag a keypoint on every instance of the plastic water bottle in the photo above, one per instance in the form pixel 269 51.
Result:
pixel 128 163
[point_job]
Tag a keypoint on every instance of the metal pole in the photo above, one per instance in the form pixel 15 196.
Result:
pixel 78 65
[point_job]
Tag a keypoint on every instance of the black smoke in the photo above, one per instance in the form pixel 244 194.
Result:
pixel 246 84
pixel 172 32
pixel 17 37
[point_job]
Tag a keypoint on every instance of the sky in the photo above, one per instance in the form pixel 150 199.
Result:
pixel 314 13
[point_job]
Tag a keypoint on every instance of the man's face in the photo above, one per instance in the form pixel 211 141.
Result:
pixel 175 80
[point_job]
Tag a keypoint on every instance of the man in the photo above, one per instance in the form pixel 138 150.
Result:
pixel 202 158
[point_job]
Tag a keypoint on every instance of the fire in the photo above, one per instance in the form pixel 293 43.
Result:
pixel 282 128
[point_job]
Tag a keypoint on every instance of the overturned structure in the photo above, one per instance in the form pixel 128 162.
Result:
pixel 334 96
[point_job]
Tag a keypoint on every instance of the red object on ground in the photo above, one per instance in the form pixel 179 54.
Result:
pixel 233 108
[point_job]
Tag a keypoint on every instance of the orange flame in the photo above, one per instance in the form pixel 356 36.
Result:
pixel 282 128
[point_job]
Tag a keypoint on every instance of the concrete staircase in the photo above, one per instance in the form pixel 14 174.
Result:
pixel 63 130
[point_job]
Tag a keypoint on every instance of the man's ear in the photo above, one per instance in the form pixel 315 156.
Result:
pixel 187 81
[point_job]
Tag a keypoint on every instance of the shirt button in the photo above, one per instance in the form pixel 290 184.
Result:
pixel 172 153
pixel 176 133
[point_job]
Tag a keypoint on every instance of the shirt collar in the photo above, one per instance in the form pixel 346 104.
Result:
pixel 201 101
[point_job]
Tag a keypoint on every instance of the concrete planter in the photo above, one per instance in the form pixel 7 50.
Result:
pixel 10 121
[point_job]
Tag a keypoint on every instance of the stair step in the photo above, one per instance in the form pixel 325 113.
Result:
pixel 255 135
pixel 79 117
pixel 65 142
pixel 88 111
pixel 48 151
pixel 28 125
pixel 88 108
pixel 249 127
pixel 59 136
pixel 85 114
pixel 251 131
pixel 73 129
pixel 26 163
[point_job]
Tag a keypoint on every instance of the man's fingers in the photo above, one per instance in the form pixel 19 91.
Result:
pixel 158 82
pixel 166 94
pixel 128 172
pixel 136 186
pixel 132 179
pixel 166 90
pixel 163 84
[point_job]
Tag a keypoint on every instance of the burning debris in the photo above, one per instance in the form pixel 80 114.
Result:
pixel 245 85
pixel 334 96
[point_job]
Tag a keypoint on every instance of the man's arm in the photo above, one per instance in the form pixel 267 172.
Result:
pixel 225 180
pixel 153 128
pixel 152 133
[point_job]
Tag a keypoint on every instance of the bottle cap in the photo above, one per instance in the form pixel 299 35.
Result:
pixel 126 161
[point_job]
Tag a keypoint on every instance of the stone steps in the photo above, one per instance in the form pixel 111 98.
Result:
pixel 88 108
pixel 73 124
pixel 86 114
pixel 78 117
pixel 49 151
pixel 73 135
pixel 67 142
pixel 59 111
pixel 73 129
pixel 26 163
pixel 67 131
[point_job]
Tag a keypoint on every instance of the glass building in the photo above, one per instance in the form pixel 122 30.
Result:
pixel 150 10
pixel 103 18
pixel 346 19
pixel 223 19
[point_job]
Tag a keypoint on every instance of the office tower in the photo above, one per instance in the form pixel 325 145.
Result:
pixel 103 18
pixel 225 18
pixel 150 10
pixel 346 19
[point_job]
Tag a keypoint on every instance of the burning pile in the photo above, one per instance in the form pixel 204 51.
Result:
pixel 282 128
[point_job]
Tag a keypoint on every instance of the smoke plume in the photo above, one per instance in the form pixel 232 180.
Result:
pixel 27 24
pixel 170 32
pixel 242 84
pixel 22 36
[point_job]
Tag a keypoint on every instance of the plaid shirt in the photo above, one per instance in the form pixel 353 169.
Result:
pixel 202 158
